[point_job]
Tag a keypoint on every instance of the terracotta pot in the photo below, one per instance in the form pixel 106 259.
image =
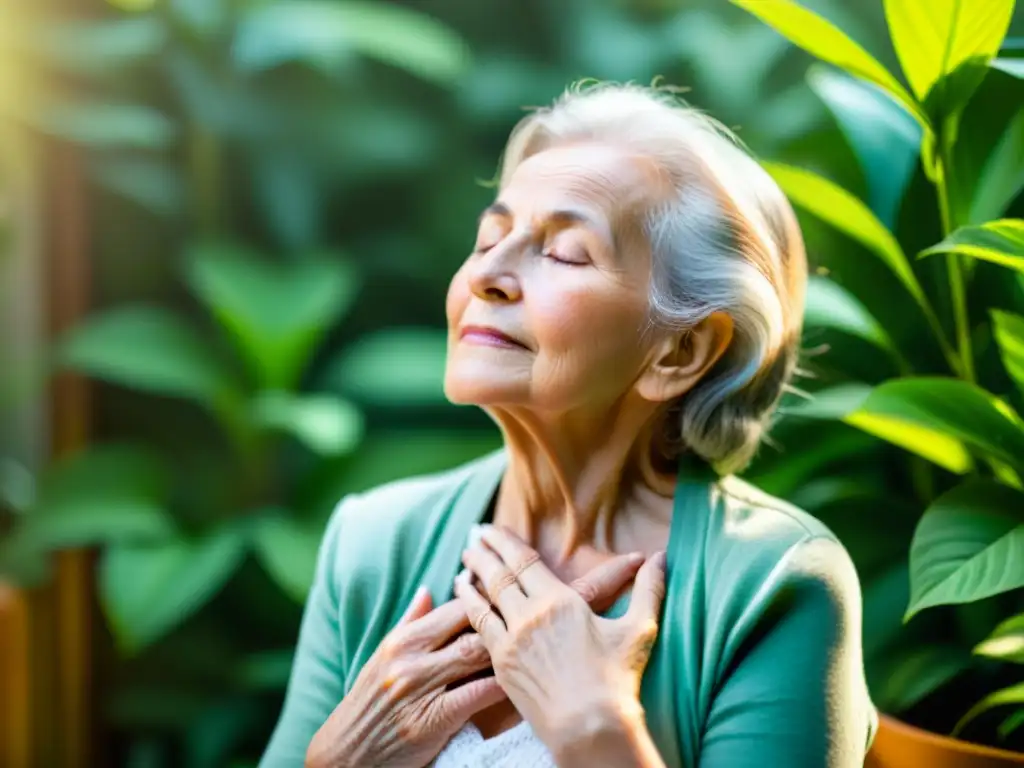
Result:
pixel 898 745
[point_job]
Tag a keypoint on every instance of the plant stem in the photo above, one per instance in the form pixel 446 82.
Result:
pixel 955 273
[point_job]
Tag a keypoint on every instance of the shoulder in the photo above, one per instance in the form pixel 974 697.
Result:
pixel 764 557
pixel 373 521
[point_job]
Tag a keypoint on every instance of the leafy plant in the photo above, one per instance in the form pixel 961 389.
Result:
pixel 963 422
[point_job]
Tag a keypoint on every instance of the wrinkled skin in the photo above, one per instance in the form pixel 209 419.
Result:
pixel 562 665
pixel 401 711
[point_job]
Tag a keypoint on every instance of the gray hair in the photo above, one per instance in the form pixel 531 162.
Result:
pixel 727 241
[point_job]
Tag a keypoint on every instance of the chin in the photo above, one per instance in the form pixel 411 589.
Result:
pixel 483 388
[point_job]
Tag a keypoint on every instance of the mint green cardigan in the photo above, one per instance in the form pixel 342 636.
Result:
pixel 758 662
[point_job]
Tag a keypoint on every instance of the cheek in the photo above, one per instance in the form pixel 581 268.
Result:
pixel 457 298
pixel 585 331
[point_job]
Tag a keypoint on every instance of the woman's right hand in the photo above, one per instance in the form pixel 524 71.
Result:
pixel 400 712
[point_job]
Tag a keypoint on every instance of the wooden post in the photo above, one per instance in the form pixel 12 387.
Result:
pixel 45 633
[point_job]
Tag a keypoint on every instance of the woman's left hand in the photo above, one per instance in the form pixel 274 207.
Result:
pixel 569 672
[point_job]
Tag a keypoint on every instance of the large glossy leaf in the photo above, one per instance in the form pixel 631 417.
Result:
pixel 1001 242
pixel 275 313
pixel 1012 695
pixel 955 408
pixel 936 38
pixel 1006 642
pixel 822 39
pixel 326 33
pixel 1002 177
pixel 834 205
pixel 1008 330
pixel 884 137
pixel 968 546
pixel 398 366
pixel 937 418
pixel 288 551
pixel 148 590
pixel 324 423
pixel 829 305
pixel 150 349
pixel 109 494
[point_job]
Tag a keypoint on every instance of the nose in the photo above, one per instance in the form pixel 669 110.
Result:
pixel 490 280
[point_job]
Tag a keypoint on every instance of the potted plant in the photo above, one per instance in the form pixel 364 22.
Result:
pixel 959 418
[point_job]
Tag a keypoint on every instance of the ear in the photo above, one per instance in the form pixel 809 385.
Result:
pixel 684 358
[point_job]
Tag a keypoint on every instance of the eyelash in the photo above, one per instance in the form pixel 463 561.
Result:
pixel 553 257
pixel 546 254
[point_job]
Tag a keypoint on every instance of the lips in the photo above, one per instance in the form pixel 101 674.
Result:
pixel 488 336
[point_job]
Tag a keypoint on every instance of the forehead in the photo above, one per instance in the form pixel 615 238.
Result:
pixel 602 178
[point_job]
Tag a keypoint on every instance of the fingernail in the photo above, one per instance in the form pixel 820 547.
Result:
pixel 463 575
pixel 635 557
pixel 660 559
pixel 421 592
pixel 475 534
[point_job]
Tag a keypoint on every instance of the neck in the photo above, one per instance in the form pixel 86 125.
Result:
pixel 573 473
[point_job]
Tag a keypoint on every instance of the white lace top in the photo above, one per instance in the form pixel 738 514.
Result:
pixel 518 747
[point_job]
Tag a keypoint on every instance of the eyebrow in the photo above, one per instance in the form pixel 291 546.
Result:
pixel 566 216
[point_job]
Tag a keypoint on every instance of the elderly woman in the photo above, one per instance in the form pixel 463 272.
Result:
pixel 629 316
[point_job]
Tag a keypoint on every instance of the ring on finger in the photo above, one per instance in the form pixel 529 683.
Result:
pixel 506 580
pixel 525 564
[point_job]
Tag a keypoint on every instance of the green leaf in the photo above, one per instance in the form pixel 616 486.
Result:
pixel 915 674
pixel 324 423
pixel 288 552
pixel 1013 67
pixel 934 39
pixel 102 46
pixel 1006 642
pixel 109 494
pixel 265 670
pixel 837 207
pixel 148 590
pixel 954 408
pixel 156 185
pixel 1011 724
pixel 968 546
pixel 884 137
pixel 327 33
pixel 150 349
pixel 1012 695
pixel 367 369
pixel 937 418
pixel 825 41
pixel 108 126
pixel 275 313
pixel 1001 242
pixel 1002 176
pixel 885 600
pixel 829 305
pixel 1008 330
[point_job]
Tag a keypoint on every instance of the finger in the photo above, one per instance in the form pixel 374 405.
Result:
pixel 420 604
pixel 460 704
pixel 522 559
pixel 481 615
pixel 499 583
pixel 460 658
pixel 602 585
pixel 648 592
pixel 437 627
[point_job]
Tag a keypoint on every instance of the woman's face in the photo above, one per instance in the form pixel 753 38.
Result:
pixel 549 310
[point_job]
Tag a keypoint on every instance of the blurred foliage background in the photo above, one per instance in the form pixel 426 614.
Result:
pixel 279 192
